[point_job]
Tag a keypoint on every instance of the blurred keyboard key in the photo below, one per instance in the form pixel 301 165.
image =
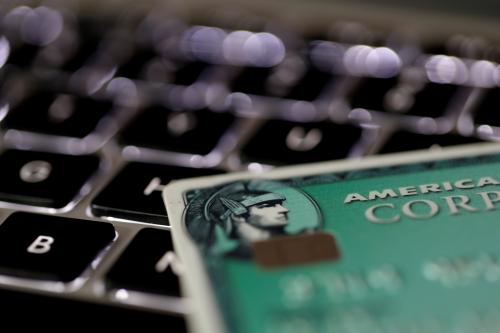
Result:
pixel 136 66
pixel 310 85
pixel 433 100
pixel 135 193
pixel 487 112
pixel 23 55
pixel 43 179
pixel 281 142
pixel 191 132
pixel 147 265
pixel 386 95
pixel 148 64
pixel 406 141
pixel 189 72
pixel 57 114
pixel 371 94
pixel 315 71
pixel 56 312
pixel 89 34
pixel 252 80
pixel 49 247
pixel 84 50
pixel 460 45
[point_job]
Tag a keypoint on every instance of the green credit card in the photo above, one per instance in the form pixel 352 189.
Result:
pixel 401 244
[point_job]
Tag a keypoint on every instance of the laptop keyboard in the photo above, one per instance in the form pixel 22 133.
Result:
pixel 99 114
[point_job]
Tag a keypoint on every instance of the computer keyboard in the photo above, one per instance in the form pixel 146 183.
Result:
pixel 99 112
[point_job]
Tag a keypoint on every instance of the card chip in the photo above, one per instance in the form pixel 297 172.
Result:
pixel 295 250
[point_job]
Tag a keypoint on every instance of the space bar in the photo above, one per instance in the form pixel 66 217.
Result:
pixel 32 310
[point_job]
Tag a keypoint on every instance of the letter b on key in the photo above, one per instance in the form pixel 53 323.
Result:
pixel 41 245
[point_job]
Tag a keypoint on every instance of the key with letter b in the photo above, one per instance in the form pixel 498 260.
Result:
pixel 42 244
pixel 49 247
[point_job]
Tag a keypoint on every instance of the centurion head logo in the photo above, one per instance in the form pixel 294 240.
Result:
pixel 250 215
pixel 228 219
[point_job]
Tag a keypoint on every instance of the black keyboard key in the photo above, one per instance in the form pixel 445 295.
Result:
pixel 433 100
pixel 147 64
pixel 135 193
pixel 188 73
pixel 281 142
pixel 136 66
pixel 90 32
pixel 147 265
pixel 471 47
pixel 57 114
pixel 49 247
pixel 252 80
pixel 56 312
pixel 43 179
pixel 23 55
pixel 405 141
pixel 85 49
pixel 310 86
pixel 317 72
pixel 193 132
pixel 371 94
pixel 487 110
pixel 385 95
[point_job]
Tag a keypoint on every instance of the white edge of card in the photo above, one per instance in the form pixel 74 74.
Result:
pixel 195 282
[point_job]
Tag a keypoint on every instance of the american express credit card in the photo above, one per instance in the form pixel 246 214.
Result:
pixel 402 243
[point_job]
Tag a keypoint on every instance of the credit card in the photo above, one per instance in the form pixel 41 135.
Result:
pixel 402 243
